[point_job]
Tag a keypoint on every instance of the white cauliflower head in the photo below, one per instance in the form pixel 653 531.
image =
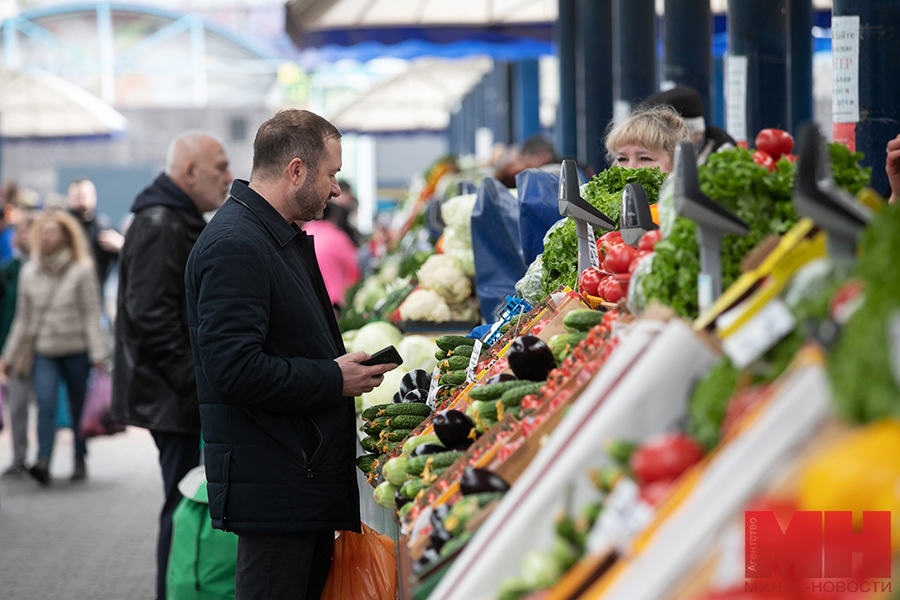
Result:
pixel 424 305
pixel 440 274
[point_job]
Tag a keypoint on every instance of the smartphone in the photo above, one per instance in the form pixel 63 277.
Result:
pixel 383 357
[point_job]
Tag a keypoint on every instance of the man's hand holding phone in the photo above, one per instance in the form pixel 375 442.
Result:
pixel 363 372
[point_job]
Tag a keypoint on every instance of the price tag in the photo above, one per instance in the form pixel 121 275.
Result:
pixel 761 332
pixel 624 516
pixel 433 389
pixel 704 292
pixel 473 361
pixel 592 248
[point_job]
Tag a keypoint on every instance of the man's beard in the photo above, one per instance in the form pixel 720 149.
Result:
pixel 310 207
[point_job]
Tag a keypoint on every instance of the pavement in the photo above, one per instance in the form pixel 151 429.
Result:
pixel 88 540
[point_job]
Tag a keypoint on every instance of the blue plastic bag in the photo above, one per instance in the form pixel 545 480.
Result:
pixel 538 209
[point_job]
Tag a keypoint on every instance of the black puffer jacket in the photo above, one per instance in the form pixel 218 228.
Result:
pixel 279 438
pixel 153 380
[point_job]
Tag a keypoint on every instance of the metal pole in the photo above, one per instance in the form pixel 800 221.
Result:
pixel 634 49
pixel 757 37
pixel 688 42
pixel 866 54
pixel 800 43
pixel 594 80
pixel 526 100
pixel 566 122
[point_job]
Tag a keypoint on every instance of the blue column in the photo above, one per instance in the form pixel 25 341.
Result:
pixel 526 100
pixel 758 30
pixel 688 41
pixel 594 80
pixel 878 80
pixel 634 48
pixel 566 121
pixel 800 43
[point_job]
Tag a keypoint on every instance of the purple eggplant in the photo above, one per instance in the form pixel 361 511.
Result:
pixel 417 379
pixel 415 395
pixel 427 449
pixel 530 358
pixel 499 377
pixel 475 481
pixel 397 398
pixel 453 428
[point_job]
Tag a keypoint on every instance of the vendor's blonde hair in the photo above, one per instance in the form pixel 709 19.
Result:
pixel 72 231
pixel 658 128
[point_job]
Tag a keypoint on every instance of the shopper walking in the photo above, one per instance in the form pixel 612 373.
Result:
pixel 18 388
pixel 104 241
pixel 153 379
pixel 276 389
pixel 57 322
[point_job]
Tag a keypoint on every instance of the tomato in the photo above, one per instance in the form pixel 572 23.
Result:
pixel 538 327
pixel 619 259
pixel 665 456
pixel 610 317
pixel 607 241
pixel 654 493
pixel 790 157
pixel 774 142
pixel 589 280
pixel 614 291
pixel 637 260
pixel 764 160
pixel 649 239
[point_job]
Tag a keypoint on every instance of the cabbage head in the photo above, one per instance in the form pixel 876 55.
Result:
pixel 418 352
pixel 374 336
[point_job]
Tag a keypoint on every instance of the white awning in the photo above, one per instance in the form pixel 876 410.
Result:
pixel 37 104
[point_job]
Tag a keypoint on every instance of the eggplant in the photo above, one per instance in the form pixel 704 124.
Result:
pixel 453 428
pixel 397 398
pixel 439 534
pixel 499 377
pixel 427 449
pixel 429 557
pixel 417 379
pixel 530 358
pixel 415 395
pixel 475 481
pixel 400 500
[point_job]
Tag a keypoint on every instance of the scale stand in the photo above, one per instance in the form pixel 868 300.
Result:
pixel 831 207
pixel 713 222
pixel 635 219
pixel 572 205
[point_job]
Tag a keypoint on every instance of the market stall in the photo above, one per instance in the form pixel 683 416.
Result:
pixel 722 342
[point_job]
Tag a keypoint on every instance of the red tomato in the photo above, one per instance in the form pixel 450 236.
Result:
pixel 619 258
pixel 589 280
pixel 665 456
pixel 790 157
pixel 614 291
pixel 607 241
pixel 637 260
pixel 654 493
pixel 764 160
pixel 609 318
pixel 774 142
pixel 649 239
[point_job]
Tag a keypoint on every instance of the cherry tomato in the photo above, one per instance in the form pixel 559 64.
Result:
pixel 619 258
pixel 764 160
pixel 649 239
pixel 589 280
pixel 665 456
pixel 774 142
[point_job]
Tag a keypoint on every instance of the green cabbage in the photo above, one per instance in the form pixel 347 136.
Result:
pixel 376 335
pixel 418 352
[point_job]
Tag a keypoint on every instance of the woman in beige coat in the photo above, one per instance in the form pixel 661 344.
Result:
pixel 57 303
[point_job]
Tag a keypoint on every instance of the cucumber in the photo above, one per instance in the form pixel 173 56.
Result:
pixel 372 412
pixel 416 465
pixel 464 350
pixel 454 363
pixel 412 487
pixel 561 345
pixel 484 498
pixel 582 320
pixel 454 377
pixel 449 342
pixel 368 443
pixel 396 435
pixel 514 396
pixel 366 462
pixel 440 354
pixel 408 408
pixel 414 442
pixel 376 426
pixel 386 447
pixel 406 421
pixel 456 543
pixel 495 390
pixel 487 410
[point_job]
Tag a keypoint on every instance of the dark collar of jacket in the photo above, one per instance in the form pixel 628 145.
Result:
pixel 278 228
pixel 164 192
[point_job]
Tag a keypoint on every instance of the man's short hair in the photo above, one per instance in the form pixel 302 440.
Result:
pixel 288 135
pixel 78 181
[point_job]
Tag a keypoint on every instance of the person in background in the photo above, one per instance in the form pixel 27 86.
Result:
pixel 153 378
pixel 275 386
pixel 18 389
pixel 537 153
pixel 335 253
pixel 647 139
pixel 687 103
pixel 892 168
pixel 343 213
pixel 57 302
pixel 105 242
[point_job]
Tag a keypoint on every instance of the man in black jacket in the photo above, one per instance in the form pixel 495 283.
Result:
pixel 153 380
pixel 105 241
pixel 275 386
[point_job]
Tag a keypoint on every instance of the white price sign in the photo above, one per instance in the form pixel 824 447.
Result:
pixel 624 516
pixel 845 69
pixel 473 361
pixel 592 248
pixel 761 332
pixel 433 389
pixel 736 97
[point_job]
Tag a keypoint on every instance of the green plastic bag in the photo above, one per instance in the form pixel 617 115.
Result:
pixel 202 560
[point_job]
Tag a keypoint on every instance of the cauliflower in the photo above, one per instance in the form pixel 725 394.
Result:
pixel 464 261
pixel 424 305
pixel 457 215
pixel 440 274
pixel 467 310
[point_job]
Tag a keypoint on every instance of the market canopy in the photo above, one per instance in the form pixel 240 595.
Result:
pixel 38 104
pixel 418 99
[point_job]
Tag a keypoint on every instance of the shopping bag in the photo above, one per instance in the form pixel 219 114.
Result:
pixel 95 414
pixel 363 567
